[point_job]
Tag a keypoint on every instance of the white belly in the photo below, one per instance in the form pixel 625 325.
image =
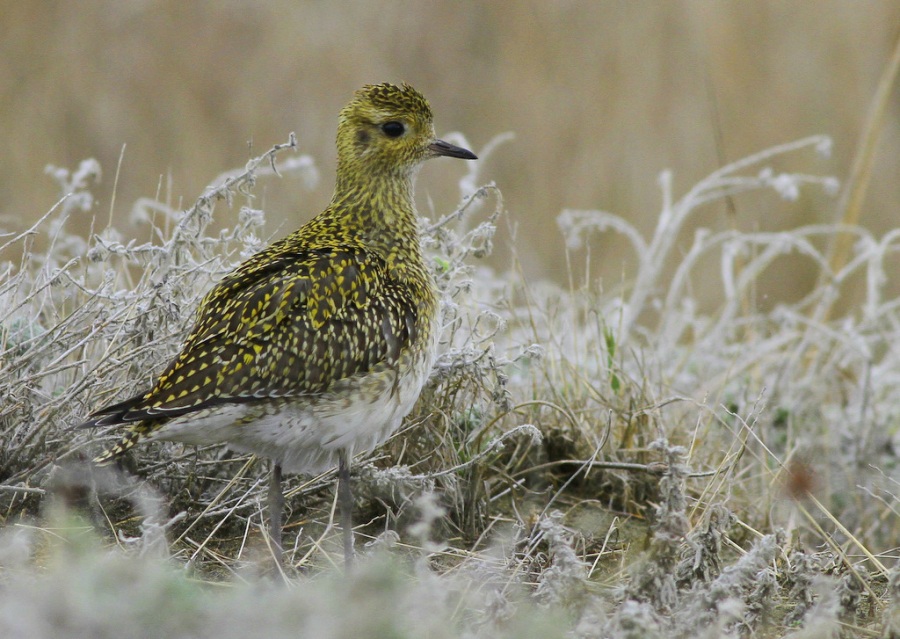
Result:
pixel 305 434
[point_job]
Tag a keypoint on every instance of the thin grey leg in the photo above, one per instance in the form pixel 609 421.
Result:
pixel 276 508
pixel 345 500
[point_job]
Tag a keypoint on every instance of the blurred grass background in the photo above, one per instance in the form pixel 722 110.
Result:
pixel 601 96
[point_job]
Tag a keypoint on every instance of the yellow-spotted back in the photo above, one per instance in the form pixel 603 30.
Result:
pixel 322 341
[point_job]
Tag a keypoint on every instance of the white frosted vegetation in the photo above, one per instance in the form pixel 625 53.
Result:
pixel 584 462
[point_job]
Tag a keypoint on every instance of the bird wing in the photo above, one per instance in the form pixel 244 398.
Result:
pixel 288 323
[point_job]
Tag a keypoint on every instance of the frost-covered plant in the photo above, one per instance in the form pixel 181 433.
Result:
pixel 594 463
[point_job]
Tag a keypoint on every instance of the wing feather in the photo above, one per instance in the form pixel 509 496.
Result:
pixel 290 325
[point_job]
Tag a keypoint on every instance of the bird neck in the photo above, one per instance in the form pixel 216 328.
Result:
pixel 380 209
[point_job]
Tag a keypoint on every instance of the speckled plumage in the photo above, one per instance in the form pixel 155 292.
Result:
pixel 318 345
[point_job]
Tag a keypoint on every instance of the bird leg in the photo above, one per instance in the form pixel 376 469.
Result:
pixel 276 508
pixel 345 499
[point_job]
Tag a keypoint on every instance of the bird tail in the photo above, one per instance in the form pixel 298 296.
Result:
pixel 121 414
pixel 131 437
pixel 109 455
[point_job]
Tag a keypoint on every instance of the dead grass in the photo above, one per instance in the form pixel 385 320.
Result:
pixel 585 462
pixel 602 97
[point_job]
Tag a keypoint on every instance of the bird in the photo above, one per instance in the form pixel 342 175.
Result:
pixel 315 348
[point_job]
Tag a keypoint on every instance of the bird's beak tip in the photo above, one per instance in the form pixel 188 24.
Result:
pixel 441 148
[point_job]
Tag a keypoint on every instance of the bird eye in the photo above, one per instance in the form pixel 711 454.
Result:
pixel 393 129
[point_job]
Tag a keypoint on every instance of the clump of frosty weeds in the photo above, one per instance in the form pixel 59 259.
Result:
pixel 582 464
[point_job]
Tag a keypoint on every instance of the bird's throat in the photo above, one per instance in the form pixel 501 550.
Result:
pixel 382 211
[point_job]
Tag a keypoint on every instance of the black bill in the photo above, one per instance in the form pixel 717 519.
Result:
pixel 448 150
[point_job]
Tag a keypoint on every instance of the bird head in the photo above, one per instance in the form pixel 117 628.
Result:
pixel 388 129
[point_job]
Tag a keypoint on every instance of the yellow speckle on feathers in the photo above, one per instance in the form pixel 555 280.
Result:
pixel 328 306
